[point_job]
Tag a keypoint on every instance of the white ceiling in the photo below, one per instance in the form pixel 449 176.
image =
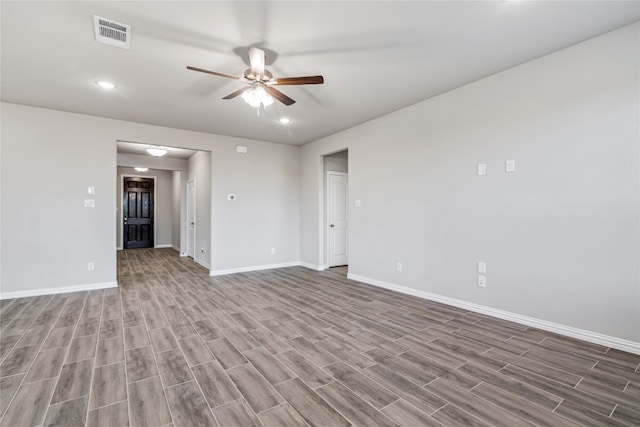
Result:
pixel 376 56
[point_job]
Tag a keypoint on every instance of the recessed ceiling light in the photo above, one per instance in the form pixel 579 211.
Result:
pixel 105 84
pixel 285 120
pixel 157 152
pixel 141 169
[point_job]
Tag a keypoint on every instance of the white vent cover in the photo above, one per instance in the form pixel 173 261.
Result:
pixel 111 32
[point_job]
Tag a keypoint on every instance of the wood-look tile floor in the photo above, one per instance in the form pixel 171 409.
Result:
pixel 290 347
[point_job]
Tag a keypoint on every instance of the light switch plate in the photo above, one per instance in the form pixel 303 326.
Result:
pixel 482 168
pixel 510 166
pixel 482 267
pixel 89 203
pixel 91 190
pixel 358 203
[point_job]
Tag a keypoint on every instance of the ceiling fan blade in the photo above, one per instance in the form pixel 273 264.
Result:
pixel 214 73
pixel 309 80
pixel 256 59
pixel 279 95
pixel 236 93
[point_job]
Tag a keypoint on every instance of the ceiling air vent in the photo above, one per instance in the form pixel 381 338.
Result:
pixel 111 32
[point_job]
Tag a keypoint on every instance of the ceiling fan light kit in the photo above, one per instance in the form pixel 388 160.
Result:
pixel 257 95
pixel 261 90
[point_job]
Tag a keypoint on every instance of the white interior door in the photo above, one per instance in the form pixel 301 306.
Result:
pixel 337 195
pixel 191 218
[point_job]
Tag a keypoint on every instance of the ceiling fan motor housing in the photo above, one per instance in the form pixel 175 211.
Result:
pixel 248 74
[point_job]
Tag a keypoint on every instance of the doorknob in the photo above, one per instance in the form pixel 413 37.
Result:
pixel 332 226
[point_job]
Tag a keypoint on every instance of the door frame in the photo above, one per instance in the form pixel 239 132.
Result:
pixel 327 222
pixel 322 260
pixel 187 211
pixel 120 210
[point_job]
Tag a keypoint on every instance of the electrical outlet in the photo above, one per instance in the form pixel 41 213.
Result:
pixel 398 266
pixel 482 281
pixel 91 266
pixel 273 251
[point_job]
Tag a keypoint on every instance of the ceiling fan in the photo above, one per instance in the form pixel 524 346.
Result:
pixel 260 89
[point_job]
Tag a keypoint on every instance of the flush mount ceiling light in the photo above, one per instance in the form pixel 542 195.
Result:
pixel 141 169
pixel 157 152
pixel 105 84
pixel 285 120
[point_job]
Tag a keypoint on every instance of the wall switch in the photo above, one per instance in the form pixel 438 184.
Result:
pixel 510 166
pixel 91 190
pixel 482 281
pixel 482 267
pixel 89 203
pixel 242 149
pixel 482 168
pixel 231 196
pixel 398 266
pixel 91 266
pixel 273 251
pixel 358 203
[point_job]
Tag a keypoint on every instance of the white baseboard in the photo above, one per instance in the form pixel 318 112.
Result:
pixel 119 248
pixel 163 246
pixel 253 268
pixel 202 263
pixel 53 291
pixel 570 331
pixel 312 266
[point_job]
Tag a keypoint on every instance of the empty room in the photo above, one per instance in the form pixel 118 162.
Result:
pixel 332 213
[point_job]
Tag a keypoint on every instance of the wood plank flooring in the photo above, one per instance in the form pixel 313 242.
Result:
pixel 290 347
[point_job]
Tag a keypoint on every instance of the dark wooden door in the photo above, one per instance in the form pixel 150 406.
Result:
pixel 137 209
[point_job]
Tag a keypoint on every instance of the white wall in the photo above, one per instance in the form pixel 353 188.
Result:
pixel 48 161
pixel 200 171
pixel 265 213
pixel 48 236
pixel 163 219
pixel 560 235
pixel 337 162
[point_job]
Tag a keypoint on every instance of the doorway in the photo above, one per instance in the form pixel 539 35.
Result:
pixel 336 215
pixel 138 212
pixel 191 218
